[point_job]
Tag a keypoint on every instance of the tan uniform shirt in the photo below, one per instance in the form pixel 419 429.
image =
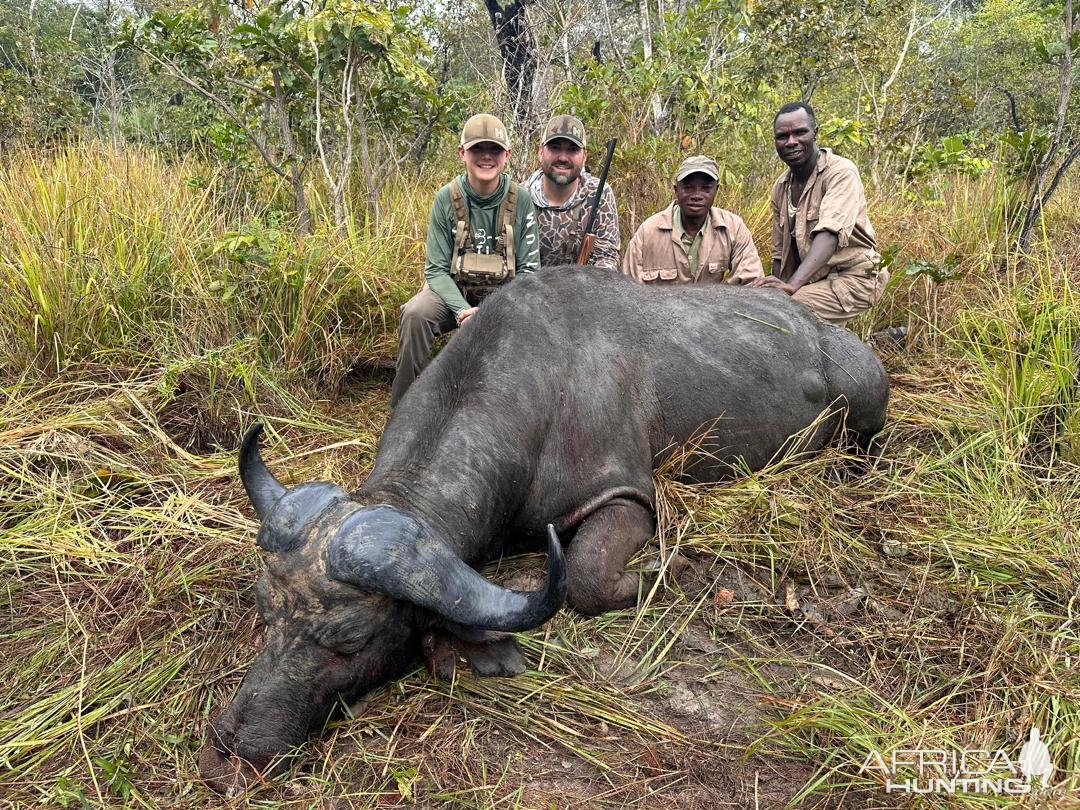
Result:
pixel 833 200
pixel 726 254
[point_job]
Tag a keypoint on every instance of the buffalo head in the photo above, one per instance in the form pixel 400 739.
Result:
pixel 349 591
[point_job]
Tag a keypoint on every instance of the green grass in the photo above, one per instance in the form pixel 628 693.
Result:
pixel 824 610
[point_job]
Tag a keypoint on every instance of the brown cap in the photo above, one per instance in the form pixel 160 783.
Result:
pixel 565 126
pixel 484 127
pixel 698 164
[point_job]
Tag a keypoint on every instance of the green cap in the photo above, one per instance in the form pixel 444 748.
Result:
pixel 484 127
pixel 698 164
pixel 565 126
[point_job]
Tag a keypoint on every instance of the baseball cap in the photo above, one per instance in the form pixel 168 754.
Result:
pixel 484 127
pixel 698 164
pixel 565 126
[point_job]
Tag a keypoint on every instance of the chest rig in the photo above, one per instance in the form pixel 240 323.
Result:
pixel 480 273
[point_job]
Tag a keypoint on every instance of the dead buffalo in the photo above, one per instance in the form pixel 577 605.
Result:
pixel 552 406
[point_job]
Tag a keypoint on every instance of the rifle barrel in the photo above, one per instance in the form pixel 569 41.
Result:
pixel 591 224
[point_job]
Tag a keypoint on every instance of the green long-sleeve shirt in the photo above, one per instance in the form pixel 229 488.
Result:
pixel 483 220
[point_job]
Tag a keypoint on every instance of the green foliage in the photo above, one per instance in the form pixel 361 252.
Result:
pixel 68 791
pixel 939 271
pixel 118 773
pixel 707 101
pixel 1001 39
pixel 797 45
pixel 38 71
pixel 1051 51
pixel 1025 150
pixel 255 243
pixel 690 68
pixel 291 82
pixel 953 153
pixel 846 135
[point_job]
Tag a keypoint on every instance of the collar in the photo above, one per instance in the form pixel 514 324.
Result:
pixel 483 202
pixel 822 162
pixel 587 184
pixel 677 229
pixel 666 220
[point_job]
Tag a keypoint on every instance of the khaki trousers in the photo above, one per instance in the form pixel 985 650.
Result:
pixel 421 319
pixel 840 297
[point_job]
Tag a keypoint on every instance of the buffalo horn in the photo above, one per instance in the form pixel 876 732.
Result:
pixel 390 551
pixel 262 488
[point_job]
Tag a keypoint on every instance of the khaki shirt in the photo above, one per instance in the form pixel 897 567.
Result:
pixel 656 254
pixel 833 200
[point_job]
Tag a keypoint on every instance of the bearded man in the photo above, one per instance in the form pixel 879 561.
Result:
pixel 562 193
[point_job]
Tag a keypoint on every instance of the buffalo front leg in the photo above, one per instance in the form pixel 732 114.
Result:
pixel 597 557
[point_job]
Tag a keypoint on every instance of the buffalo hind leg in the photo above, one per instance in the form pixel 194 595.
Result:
pixel 597 557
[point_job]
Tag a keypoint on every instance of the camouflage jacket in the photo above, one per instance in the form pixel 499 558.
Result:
pixel 562 227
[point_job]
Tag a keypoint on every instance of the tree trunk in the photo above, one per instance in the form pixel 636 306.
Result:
pixel 292 159
pixel 1040 196
pixel 518 51
pixel 645 26
pixel 373 185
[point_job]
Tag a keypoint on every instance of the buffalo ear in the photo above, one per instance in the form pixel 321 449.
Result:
pixel 388 550
pixel 262 488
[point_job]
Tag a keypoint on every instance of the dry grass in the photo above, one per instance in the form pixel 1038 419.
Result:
pixel 826 609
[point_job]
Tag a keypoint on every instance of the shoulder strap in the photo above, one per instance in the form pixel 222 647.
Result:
pixel 461 216
pixel 511 262
pixel 504 242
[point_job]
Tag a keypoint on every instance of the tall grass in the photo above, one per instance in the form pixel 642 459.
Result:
pixel 126 258
pixel 822 610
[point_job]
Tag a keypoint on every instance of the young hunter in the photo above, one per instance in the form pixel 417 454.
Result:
pixel 482 232
pixel 563 192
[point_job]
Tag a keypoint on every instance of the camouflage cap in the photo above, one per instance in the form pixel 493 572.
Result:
pixel 698 164
pixel 565 126
pixel 484 127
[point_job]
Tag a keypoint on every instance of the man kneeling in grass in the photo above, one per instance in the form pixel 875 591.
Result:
pixel 692 241
pixel 824 249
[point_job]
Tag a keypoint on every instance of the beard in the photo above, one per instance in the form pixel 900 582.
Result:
pixel 560 177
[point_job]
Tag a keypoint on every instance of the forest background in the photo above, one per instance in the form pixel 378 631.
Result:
pixel 210 212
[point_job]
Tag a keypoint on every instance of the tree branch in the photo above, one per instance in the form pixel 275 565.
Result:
pixel 177 73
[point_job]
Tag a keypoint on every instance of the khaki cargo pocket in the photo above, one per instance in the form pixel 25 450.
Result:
pixel 660 275
pixel 716 271
pixel 856 292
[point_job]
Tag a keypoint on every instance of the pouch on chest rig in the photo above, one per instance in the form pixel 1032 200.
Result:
pixel 480 274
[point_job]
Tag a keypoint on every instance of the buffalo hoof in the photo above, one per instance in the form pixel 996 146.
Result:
pixel 501 658
pixel 228 775
pixel 497 656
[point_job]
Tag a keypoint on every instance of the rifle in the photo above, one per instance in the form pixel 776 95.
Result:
pixel 590 238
